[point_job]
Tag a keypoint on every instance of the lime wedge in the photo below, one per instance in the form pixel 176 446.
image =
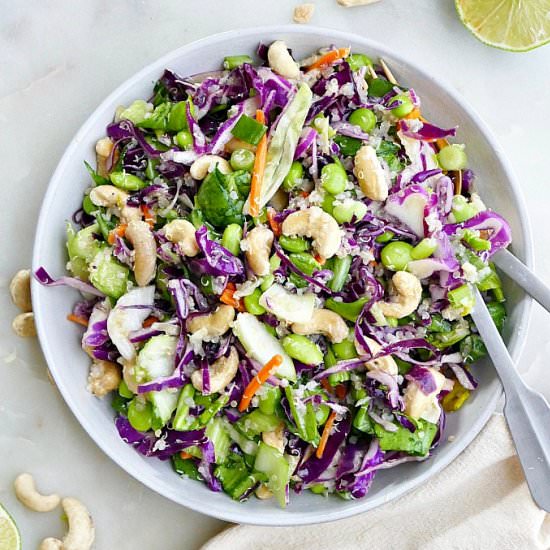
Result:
pixel 9 534
pixel 514 25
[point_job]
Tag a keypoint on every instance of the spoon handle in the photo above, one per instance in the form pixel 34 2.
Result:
pixel 523 276
pixel 527 412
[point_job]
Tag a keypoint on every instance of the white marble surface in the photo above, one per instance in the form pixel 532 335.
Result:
pixel 58 59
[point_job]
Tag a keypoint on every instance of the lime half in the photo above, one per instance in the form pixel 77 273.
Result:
pixel 514 25
pixel 9 534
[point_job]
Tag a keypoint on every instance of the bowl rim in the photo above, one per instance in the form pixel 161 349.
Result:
pixel 524 305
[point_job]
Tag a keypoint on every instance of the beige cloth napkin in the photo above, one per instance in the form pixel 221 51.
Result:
pixel 480 501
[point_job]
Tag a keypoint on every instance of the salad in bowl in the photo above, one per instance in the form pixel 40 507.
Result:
pixel 276 261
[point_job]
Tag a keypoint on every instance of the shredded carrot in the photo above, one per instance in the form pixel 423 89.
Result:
pixel 228 298
pixel 77 319
pixel 304 194
pixel 341 391
pixel 415 113
pixel 185 455
pixel 319 259
pixel 256 383
pixel 441 143
pixel 149 321
pixel 119 230
pixel 326 385
pixel 273 223
pixel 329 58
pixel 148 214
pixel 325 435
pixel 258 170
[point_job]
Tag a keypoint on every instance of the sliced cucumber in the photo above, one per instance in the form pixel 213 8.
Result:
pixel 261 345
pixel 156 360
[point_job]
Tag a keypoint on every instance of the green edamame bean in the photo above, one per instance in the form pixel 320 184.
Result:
pixel 327 203
pixel 124 391
pixel 385 237
pixel 267 282
pixel 303 349
pixel 358 60
pixel 379 87
pixel 293 244
pixel 140 415
pixel 364 118
pixel 242 159
pixel 343 213
pixel 295 176
pixel 274 263
pixel 184 139
pixel 424 249
pixel 252 303
pixel 126 181
pixel 340 270
pixel 334 178
pixel 88 206
pixel 396 255
pixel 344 350
pixel 231 238
pixel 452 157
pixel 406 105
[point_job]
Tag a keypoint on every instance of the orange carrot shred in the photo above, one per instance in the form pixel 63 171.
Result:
pixel 319 259
pixel 258 170
pixel 256 383
pixel 273 223
pixel 415 113
pixel 341 391
pixel 148 214
pixel 329 58
pixel 77 319
pixel 228 298
pixel 149 321
pixel 304 194
pixel 119 230
pixel 185 455
pixel 325 435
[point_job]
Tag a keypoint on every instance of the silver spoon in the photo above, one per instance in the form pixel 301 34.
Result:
pixel 527 412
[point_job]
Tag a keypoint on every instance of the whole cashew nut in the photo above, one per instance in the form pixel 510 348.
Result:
pixel 214 324
pixel 318 225
pixel 205 164
pixel 421 405
pixel 103 149
pixel 81 533
pixel 104 377
pixel 263 493
pixel 20 290
pixel 25 491
pixel 222 372
pixel 326 322
pixel 275 438
pixel 281 61
pixel 23 325
pixel 257 246
pixel 145 248
pixel 408 293
pixel 182 233
pixel 370 174
pixel 110 196
pixel 51 544
pixel 386 363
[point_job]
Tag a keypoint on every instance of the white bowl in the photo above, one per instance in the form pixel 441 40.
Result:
pixel 60 339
